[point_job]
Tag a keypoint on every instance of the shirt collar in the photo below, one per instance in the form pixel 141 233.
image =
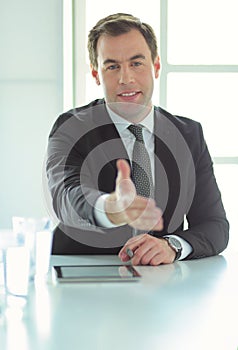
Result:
pixel 122 124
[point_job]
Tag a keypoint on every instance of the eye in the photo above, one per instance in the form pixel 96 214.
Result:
pixel 136 64
pixel 112 67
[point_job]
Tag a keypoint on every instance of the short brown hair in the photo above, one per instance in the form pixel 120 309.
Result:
pixel 118 24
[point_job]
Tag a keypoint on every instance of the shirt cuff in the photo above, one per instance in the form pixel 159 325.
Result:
pixel 186 247
pixel 100 215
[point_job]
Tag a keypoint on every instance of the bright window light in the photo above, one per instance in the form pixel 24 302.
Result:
pixel 67 55
pixel 202 32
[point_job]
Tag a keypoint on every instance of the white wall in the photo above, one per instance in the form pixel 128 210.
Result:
pixel 30 100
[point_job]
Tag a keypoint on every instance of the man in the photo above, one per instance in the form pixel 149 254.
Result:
pixel 98 163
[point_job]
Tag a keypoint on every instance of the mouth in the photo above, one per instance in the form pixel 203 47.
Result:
pixel 129 95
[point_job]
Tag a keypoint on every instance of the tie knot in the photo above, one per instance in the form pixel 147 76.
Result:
pixel 136 130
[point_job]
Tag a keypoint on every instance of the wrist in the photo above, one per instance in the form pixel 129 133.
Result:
pixel 175 245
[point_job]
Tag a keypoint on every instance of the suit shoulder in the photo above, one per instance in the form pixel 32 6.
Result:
pixel 187 126
pixel 82 109
pixel 190 129
pixel 183 123
pixel 78 114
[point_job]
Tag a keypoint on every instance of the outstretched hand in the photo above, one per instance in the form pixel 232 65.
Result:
pixel 124 206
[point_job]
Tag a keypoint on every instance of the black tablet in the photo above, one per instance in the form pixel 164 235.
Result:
pixel 96 273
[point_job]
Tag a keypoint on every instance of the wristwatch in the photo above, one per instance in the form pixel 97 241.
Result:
pixel 175 245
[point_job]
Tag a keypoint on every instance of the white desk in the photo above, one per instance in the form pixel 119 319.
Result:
pixel 188 305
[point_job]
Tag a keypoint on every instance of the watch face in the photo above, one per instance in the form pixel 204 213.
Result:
pixel 173 241
pixel 175 245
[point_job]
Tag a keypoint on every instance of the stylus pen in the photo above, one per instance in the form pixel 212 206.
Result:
pixel 130 253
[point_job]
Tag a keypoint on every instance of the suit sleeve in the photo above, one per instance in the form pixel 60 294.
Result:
pixel 208 228
pixel 72 190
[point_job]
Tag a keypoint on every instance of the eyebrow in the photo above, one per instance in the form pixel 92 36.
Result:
pixel 135 57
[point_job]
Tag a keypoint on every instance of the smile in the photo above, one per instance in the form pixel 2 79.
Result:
pixel 128 94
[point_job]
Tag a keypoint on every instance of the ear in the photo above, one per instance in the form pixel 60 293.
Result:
pixel 157 66
pixel 95 75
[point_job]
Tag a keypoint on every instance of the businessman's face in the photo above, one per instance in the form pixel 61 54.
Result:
pixel 126 72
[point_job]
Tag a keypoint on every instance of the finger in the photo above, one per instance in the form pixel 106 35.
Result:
pixel 145 220
pixel 157 260
pixel 124 257
pixel 149 255
pixel 146 206
pixel 125 188
pixel 143 203
pixel 165 254
pixel 147 225
pixel 140 215
pixel 124 170
pixel 132 244
pixel 148 248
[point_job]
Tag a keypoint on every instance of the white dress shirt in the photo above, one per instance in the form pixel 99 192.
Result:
pixel 128 140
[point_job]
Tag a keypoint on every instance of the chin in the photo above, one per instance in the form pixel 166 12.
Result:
pixel 133 112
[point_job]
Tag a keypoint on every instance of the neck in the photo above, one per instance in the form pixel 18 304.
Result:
pixel 133 113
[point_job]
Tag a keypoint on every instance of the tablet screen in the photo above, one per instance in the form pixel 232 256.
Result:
pixel 84 273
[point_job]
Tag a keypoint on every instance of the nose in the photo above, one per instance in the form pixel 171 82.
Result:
pixel 126 76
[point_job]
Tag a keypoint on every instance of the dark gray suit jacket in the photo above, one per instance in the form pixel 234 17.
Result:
pixel 81 165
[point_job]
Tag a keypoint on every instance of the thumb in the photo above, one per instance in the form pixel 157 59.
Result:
pixel 124 185
pixel 124 170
